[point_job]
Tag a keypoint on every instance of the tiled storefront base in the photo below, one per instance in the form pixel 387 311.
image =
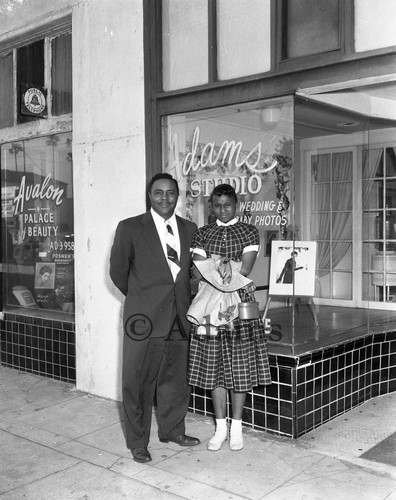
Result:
pixel 307 389
pixel 310 389
pixel 38 345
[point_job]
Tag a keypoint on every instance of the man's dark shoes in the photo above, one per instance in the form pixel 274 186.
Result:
pixel 141 455
pixel 181 440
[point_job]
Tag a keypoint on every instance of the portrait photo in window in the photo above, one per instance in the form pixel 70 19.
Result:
pixel 292 269
pixel 45 275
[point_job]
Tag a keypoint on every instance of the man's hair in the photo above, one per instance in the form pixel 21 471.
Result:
pixel 45 269
pixel 160 176
pixel 224 189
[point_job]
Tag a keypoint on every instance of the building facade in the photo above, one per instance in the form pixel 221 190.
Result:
pixel 293 103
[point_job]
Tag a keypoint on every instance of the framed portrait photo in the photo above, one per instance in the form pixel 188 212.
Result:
pixel 292 269
pixel 45 275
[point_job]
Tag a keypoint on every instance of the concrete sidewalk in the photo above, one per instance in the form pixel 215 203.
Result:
pixel 58 443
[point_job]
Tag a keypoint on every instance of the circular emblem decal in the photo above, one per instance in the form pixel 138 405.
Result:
pixel 138 327
pixel 34 100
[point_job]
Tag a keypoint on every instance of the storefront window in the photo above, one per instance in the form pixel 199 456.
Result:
pixel 322 196
pixel 250 147
pixel 38 225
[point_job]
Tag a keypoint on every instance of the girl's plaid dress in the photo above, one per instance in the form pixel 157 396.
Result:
pixel 237 357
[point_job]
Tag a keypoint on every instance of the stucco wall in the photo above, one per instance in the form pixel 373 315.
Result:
pixel 109 173
pixel 18 15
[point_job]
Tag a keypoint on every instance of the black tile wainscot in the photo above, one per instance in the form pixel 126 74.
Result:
pixel 312 388
pixel 38 345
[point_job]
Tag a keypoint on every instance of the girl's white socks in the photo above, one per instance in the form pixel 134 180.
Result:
pixel 219 436
pixel 236 439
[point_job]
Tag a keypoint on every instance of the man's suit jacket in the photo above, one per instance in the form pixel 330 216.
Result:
pixel 139 269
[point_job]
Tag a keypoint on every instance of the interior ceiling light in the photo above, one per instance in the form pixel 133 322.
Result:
pixel 271 115
pixel 348 124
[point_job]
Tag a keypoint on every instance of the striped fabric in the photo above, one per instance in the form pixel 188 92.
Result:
pixel 173 258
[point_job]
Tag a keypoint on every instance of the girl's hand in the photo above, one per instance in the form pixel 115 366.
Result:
pixel 250 288
pixel 195 274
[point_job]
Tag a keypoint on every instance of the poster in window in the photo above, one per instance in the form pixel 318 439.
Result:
pixel 292 270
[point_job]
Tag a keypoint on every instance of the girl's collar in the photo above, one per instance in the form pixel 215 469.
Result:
pixel 229 223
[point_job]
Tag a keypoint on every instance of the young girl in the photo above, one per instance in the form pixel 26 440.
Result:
pixel 236 358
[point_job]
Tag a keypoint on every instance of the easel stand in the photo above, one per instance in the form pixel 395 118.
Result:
pixel 311 307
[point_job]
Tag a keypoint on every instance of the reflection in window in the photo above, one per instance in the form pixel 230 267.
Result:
pixel 37 224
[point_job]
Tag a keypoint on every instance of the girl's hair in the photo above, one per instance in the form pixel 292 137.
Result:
pixel 224 189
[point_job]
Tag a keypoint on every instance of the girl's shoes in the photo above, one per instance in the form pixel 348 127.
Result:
pixel 236 439
pixel 219 436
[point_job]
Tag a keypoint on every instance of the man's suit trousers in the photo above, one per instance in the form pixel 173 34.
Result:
pixel 155 368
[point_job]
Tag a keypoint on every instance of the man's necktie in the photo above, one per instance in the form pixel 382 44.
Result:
pixel 173 259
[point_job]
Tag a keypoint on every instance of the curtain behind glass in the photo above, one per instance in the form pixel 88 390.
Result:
pixel 61 75
pixel 339 229
pixel 6 92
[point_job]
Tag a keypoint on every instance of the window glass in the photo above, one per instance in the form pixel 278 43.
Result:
pixel 6 91
pixel 61 75
pixel 249 146
pixel 370 21
pixel 37 79
pixel 37 224
pixel 309 27
pixel 243 37
pixel 305 186
pixel 184 64
pixel 30 71
pixel 379 215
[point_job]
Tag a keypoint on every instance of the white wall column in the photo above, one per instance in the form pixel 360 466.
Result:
pixel 109 174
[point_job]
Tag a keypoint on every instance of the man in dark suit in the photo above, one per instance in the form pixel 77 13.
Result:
pixel 156 283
